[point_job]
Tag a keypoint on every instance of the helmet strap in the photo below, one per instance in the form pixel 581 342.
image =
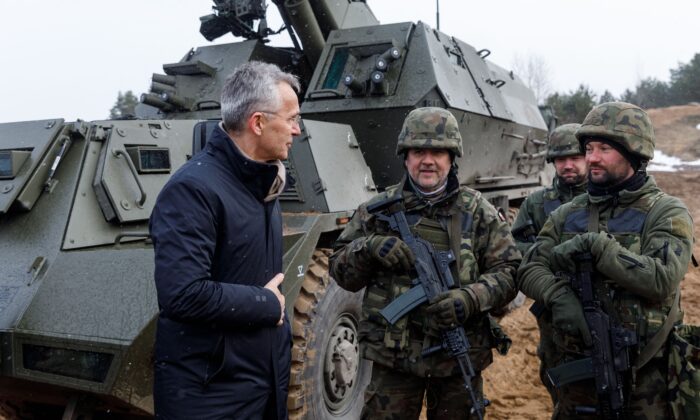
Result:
pixel 643 166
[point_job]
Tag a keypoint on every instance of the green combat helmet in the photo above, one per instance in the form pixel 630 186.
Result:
pixel 430 128
pixel 563 142
pixel 625 124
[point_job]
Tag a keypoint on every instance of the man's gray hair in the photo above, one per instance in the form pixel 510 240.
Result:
pixel 252 87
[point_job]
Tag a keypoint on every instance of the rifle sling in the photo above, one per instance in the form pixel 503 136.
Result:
pixel 594 218
pixel 659 339
pixel 461 220
pixel 455 237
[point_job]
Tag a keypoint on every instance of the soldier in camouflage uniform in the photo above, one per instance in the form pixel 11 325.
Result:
pixel 369 254
pixel 570 180
pixel 640 240
pixel 564 152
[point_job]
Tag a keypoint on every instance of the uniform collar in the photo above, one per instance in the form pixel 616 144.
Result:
pixel 627 196
pixel 632 183
pixel 414 201
pixel 567 192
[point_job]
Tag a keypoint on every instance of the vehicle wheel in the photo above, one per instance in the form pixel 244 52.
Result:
pixel 328 375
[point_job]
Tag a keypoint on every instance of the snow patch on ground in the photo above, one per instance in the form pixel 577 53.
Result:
pixel 664 163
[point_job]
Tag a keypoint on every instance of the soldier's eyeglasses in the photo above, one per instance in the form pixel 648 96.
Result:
pixel 292 121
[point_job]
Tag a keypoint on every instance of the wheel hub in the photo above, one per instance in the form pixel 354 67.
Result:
pixel 342 362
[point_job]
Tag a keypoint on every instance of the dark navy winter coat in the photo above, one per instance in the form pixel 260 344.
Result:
pixel 219 353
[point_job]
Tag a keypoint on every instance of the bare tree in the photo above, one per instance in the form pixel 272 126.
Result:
pixel 534 72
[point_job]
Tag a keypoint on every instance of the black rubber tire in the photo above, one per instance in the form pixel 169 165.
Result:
pixel 321 311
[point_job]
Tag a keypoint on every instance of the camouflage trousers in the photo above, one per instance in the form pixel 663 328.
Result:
pixel 647 400
pixel 393 395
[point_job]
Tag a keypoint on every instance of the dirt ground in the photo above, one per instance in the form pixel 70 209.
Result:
pixel 676 130
pixel 512 382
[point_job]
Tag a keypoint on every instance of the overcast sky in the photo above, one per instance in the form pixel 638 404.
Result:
pixel 69 58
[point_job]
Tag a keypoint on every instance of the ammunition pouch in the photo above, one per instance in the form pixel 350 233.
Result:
pixel 684 372
pixel 397 335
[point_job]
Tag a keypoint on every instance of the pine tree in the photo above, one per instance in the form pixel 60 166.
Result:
pixel 124 107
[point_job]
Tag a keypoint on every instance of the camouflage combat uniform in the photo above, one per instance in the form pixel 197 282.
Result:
pixel 487 262
pixel 533 212
pixel 640 256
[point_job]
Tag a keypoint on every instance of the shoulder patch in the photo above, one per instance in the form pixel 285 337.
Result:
pixel 469 199
pixel 680 227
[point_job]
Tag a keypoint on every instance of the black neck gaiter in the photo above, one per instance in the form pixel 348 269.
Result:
pixel 632 183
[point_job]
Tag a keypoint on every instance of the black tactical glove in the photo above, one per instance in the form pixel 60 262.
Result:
pixel 391 252
pixel 451 309
pixel 567 314
pixel 562 255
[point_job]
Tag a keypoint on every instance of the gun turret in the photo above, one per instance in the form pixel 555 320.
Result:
pixel 237 17
pixel 313 21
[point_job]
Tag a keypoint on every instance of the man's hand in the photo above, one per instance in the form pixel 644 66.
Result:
pixel 562 255
pixel 602 244
pixel 391 252
pixel 567 314
pixel 274 285
pixel 451 309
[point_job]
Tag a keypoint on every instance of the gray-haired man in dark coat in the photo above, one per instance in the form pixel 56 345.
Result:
pixel 223 345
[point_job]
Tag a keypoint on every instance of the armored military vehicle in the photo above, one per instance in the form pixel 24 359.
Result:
pixel 77 298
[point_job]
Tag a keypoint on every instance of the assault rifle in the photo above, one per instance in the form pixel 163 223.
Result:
pixel 609 354
pixel 433 278
pixel 526 233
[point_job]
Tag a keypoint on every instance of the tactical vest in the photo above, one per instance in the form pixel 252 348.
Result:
pixel 551 201
pixel 399 346
pixel 635 313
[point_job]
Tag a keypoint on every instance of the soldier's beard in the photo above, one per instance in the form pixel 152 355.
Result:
pixel 572 180
pixel 607 179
